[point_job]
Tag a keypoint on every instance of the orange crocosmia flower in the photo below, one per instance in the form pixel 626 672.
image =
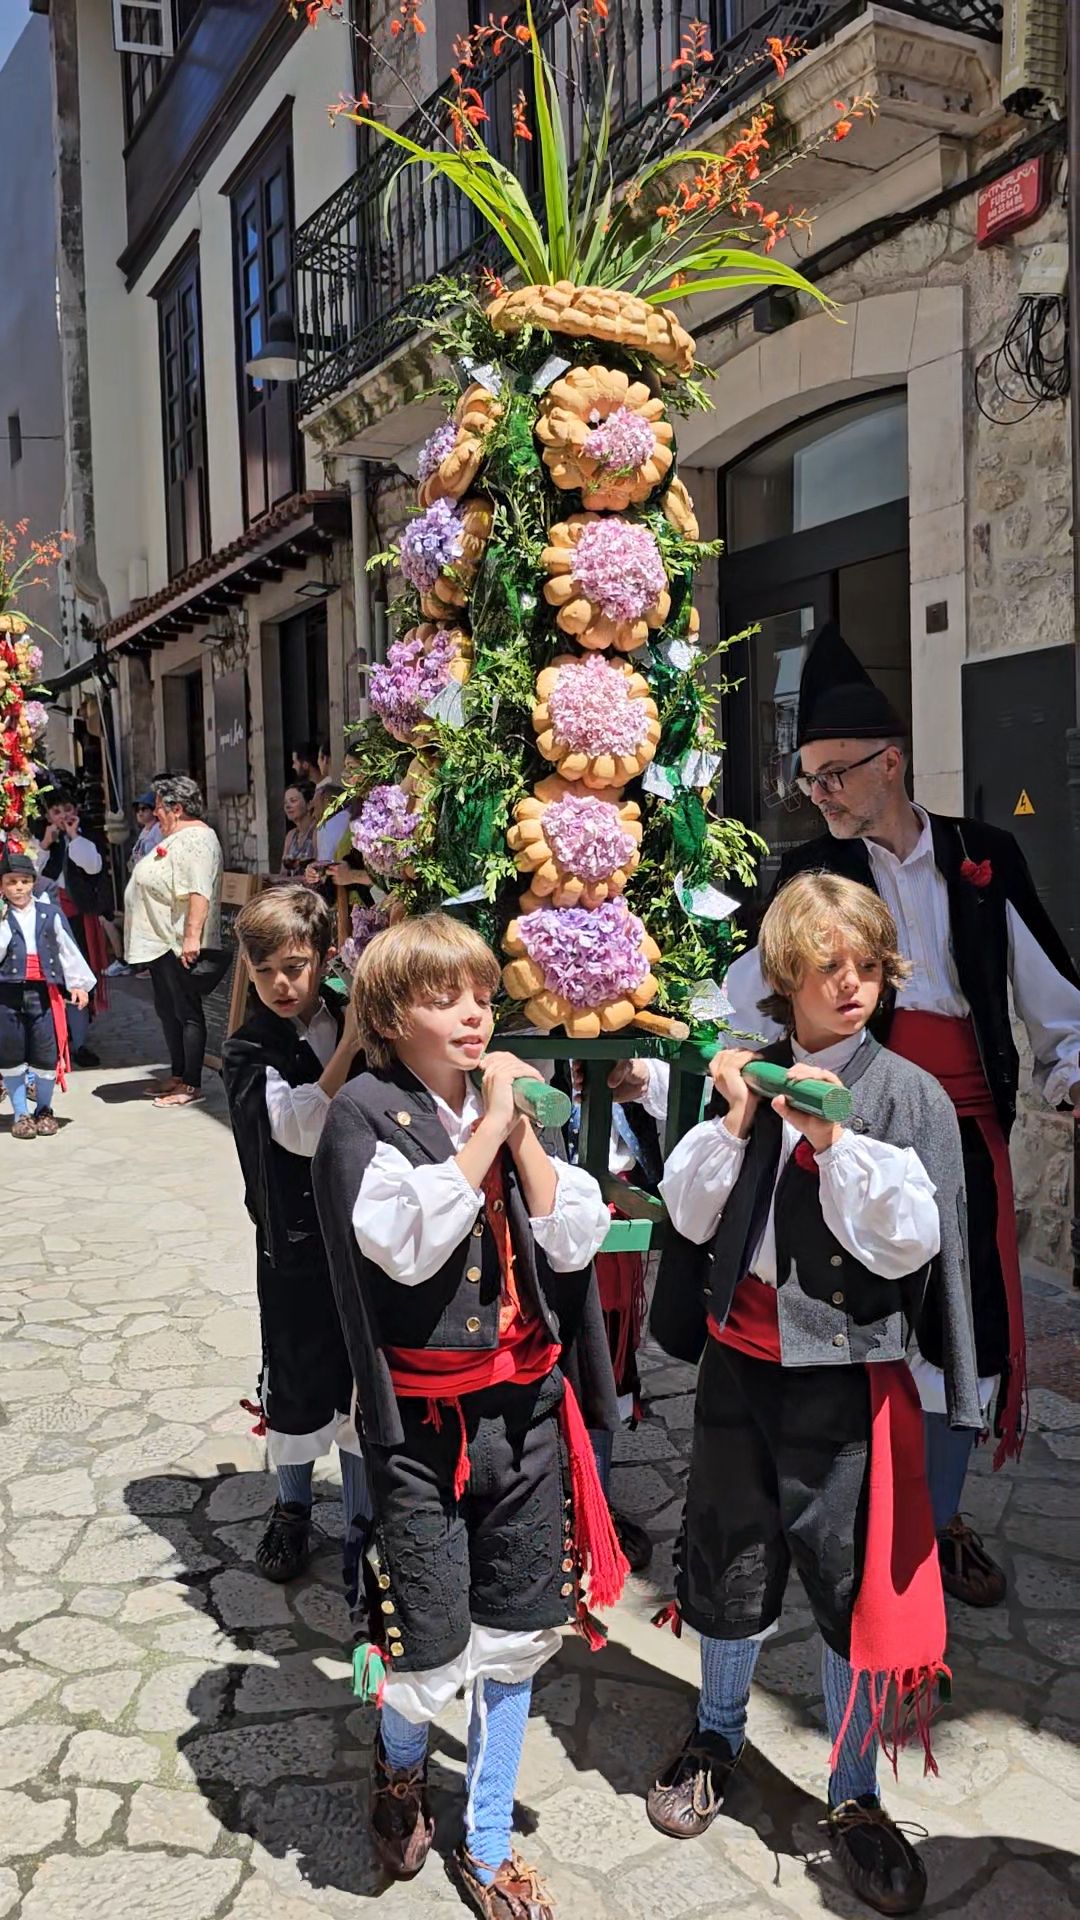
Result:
pixel 521 124
pixel 777 53
pixel 524 34
pixel 842 129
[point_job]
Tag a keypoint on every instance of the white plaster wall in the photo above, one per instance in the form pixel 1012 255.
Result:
pixel 123 327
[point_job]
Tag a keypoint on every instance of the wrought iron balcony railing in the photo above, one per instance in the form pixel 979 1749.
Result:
pixel 362 260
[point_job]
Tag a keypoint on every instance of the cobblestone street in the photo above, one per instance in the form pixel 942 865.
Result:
pixel 178 1739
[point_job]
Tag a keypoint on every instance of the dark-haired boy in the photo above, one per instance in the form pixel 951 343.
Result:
pixel 281 1070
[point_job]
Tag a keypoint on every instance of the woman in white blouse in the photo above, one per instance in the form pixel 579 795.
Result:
pixel 172 924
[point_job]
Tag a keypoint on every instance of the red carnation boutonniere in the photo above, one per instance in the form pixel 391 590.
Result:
pixel 160 851
pixel 977 873
pixel 805 1157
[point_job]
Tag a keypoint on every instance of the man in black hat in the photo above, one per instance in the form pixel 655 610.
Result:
pixel 972 925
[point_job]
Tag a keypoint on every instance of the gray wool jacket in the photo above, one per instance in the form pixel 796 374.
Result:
pixel 832 1310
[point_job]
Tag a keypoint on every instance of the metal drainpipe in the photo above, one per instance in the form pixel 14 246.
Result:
pixel 358 517
pixel 1073 738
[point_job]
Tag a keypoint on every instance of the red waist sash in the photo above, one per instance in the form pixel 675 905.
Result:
pixel 753 1323
pixel 947 1048
pixel 59 1014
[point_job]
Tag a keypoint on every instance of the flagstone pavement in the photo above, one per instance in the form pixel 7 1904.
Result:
pixel 177 1738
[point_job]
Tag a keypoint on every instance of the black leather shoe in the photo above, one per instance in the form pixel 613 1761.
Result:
pixel 686 1797
pixel 879 1862
pixel 285 1548
pixel 86 1057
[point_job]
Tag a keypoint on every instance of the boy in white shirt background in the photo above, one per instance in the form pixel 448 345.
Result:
pixel 39 963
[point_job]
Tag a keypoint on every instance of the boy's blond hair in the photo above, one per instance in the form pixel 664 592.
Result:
pixel 284 916
pixel 410 964
pixel 800 931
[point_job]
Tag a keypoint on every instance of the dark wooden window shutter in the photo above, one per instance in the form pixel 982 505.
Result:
pixel 183 414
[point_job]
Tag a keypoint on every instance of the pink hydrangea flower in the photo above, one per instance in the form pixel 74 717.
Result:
pixel 593 711
pixel 435 449
pixel 430 542
pixel 617 565
pixel 587 957
pixel 622 443
pixel 384 832
pixel 403 686
pixel 36 715
pixel 587 837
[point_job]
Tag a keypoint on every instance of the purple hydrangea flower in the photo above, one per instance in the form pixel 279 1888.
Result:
pixel 622 443
pixel 384 832
pixel 366 923
pixel 587 957
pixel 587 837
pixel 594 712
pixel 617 565
pixel 435 449
pixel 430 542
pixel 402 687
pixel 35 660
pixel 36 715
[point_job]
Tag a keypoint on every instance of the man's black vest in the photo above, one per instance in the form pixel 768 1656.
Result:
pixel 978 923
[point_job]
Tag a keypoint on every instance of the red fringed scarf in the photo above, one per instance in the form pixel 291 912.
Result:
pixel 97 951
pixel 898 1622
pixel 621 1280
pixel 58 1008
pixel 524 1355
pixel 948 1049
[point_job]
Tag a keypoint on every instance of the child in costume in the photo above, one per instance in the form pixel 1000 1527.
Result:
pixel 39 962
pixel 819 1247
pixel 461 1254
pixel 281 1070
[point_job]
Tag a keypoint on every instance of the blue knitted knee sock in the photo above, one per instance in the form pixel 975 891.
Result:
pixel 856 1772
pixel 404 1743
pixel 498 1717
pixel 294 1483
pixel 15 1088
pixel 727 1668
pixel 43 1093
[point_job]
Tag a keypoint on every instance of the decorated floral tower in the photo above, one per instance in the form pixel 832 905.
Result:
pixel 23 719
pixel 542 752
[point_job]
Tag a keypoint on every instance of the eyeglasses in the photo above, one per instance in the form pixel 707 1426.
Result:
pixel 833 782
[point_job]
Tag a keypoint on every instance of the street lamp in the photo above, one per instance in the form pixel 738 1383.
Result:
pixel 279 356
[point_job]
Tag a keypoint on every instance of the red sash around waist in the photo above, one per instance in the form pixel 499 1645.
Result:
pixel 59 1014
pixel 947 1048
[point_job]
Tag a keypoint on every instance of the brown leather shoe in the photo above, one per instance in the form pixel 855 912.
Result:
pixel 686 1797
pixel 878 1860
pixel 967 1571
pixel 24 1128
pixel 46 1122
pixel 401 1826
pixel 516 1893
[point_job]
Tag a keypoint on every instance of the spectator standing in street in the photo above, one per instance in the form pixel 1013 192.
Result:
pixel 149 829
pixel 299 849
pixel 172 924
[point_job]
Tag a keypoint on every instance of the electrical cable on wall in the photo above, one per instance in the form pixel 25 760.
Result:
pixel 1031 365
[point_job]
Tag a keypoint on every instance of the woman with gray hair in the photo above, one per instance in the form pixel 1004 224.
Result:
pixel 172 924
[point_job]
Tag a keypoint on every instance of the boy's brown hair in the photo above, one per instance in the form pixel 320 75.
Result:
pixel 799 931
pixel 281 917
pixel 410 964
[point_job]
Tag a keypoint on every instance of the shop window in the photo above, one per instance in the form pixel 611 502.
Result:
pixel 183 415
pixel 840 463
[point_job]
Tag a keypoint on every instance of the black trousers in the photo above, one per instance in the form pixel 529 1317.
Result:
pixel 500 1556
pixel 27 1030
pixel 183 1019
pixel 777 1475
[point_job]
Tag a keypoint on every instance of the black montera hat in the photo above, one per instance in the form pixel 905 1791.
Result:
pixel 837 698
pixel 14 860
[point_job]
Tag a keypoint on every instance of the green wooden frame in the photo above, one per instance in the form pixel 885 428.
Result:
pixel 643 1225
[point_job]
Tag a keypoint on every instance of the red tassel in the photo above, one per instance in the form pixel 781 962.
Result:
pixel 591 1629
pixel 596 1542
pixel 463 1470
pixel 1015 1412
pixel 250 1407
pixel 913 1710
pixel 669 1616
pixel 433 1416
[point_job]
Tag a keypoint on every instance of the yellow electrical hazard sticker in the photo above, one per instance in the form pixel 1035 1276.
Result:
pixel 1023 805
